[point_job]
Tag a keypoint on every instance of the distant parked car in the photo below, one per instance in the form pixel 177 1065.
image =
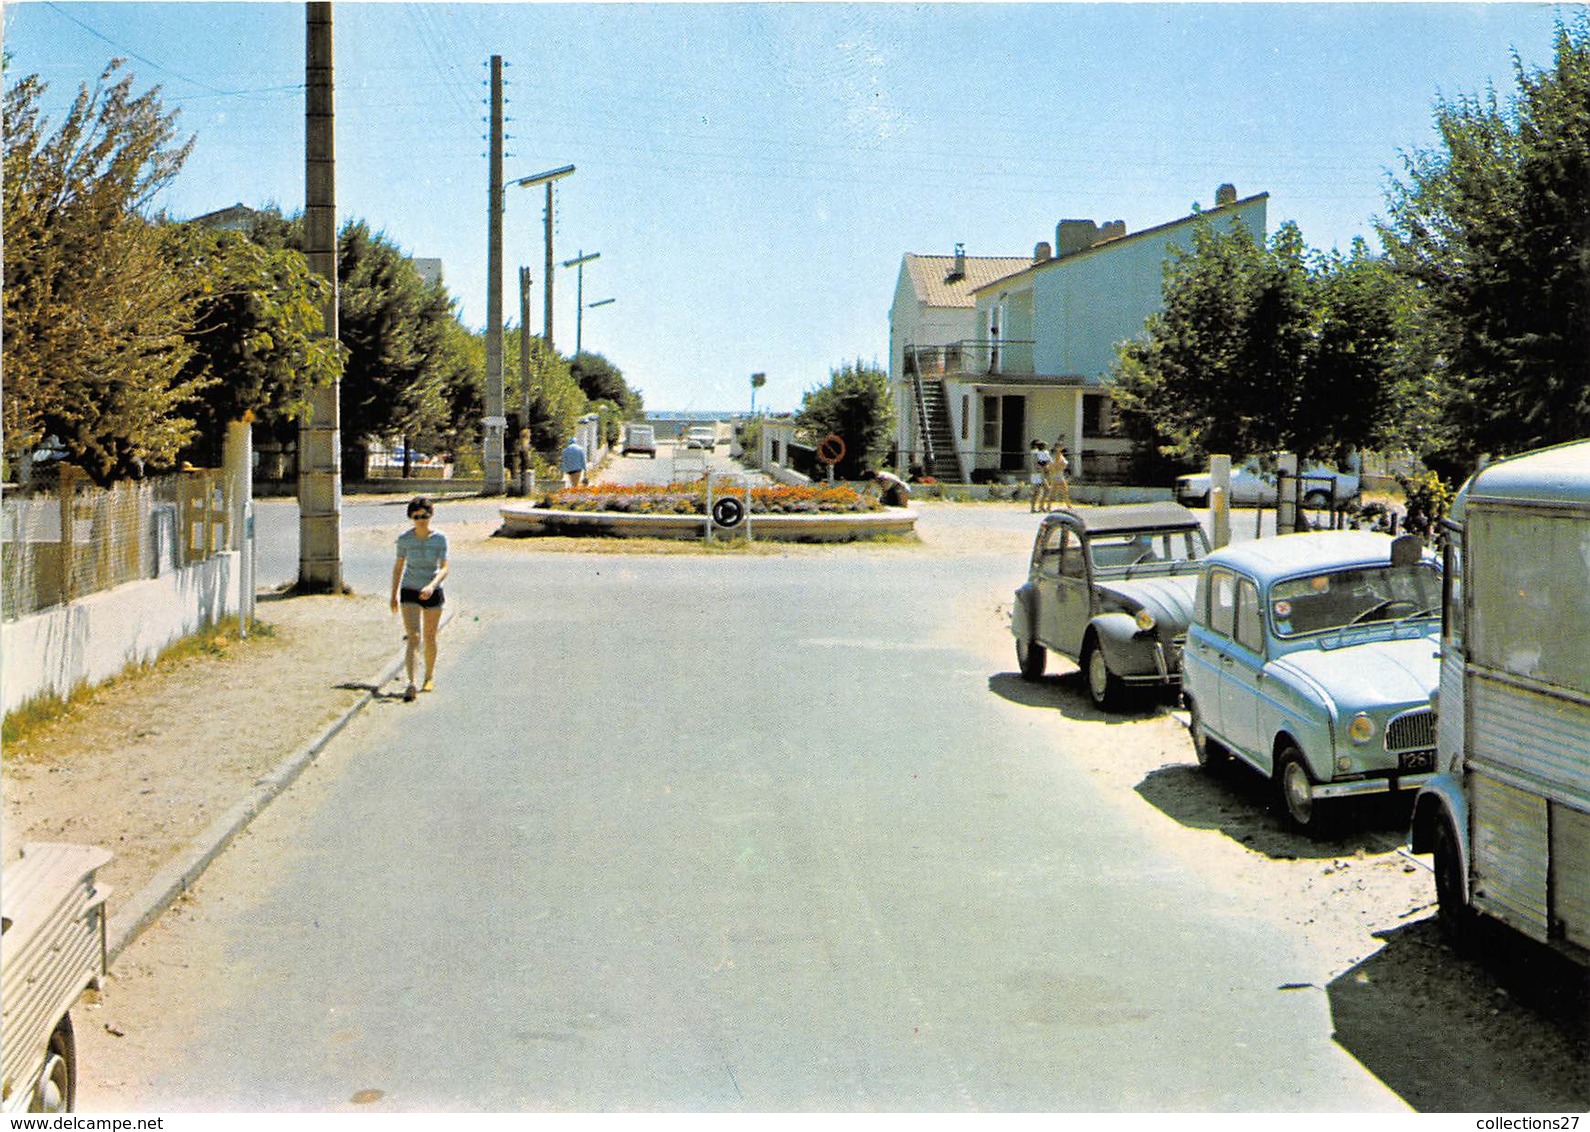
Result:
pixel 1111 589
pixel 701 437
pixel 1252 486
pixel 640 439
pixel 1311 658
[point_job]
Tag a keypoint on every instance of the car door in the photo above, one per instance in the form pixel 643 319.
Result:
pixel 1072 607
pixel 1242 675
pixel 1209 645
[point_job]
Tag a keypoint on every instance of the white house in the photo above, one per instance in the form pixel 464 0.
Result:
pixel 1041 343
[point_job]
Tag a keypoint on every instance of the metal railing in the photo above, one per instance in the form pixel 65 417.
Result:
pixel 972 358
pixel 63 543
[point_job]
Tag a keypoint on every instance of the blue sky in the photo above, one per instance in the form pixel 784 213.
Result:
pixel 751 174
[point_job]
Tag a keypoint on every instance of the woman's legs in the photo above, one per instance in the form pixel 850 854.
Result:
pixel 411 637
pixel 433 622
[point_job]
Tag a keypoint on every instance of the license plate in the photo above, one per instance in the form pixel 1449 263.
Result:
pixel 1416 761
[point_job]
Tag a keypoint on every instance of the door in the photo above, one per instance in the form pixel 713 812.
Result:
pixel 1072 607
pixel 1012 427
pixel 1242 673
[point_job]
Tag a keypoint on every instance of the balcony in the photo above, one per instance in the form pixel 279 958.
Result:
pixel 972 360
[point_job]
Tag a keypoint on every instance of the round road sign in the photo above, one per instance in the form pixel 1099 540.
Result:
pixel 832 449
pixel 727 511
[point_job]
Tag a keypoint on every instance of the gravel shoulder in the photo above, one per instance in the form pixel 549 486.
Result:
pixel 145 765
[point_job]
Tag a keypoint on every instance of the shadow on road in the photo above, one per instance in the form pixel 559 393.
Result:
pixel 1507 1031
pixel 1241 804
pixel 1066 693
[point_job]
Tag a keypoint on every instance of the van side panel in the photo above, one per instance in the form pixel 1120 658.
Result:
pixel 1541 739
pixel 1570 873
pixel 1509 855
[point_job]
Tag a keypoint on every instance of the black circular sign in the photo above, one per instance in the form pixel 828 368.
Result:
pixel 728 511
pixel 832 449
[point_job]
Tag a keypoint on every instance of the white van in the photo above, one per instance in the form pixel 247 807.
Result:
pixel 1508 815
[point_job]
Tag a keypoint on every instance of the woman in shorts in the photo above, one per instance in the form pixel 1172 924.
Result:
pixel 417 588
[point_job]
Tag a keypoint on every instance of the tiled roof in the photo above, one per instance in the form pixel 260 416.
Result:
pixel 929 276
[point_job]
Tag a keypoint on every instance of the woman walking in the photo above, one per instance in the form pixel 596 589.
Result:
pixel 417 577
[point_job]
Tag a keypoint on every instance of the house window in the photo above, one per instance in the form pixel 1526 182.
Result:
pixel 1095 414
pixel 966 416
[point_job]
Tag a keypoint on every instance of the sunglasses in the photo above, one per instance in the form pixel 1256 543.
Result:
pixel 421 515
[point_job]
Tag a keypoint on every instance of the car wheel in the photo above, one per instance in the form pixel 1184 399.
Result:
pixel 1453 912
pixel 56 1090
pixel 1104 686
pixel 1210 754
pixel 1296 788
pixel 1031 657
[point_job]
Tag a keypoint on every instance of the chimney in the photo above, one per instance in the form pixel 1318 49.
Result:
pixel 1072 236
pixel 1224 195
pixel 1114 230
pixel 1042 252
pixel 958 271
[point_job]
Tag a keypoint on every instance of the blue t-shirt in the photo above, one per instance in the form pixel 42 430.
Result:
pixel 574 458
pixel 421 557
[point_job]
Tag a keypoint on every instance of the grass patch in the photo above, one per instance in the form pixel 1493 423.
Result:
pixel 214 642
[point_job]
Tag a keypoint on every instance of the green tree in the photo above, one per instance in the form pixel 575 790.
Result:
pixel 95 316
pixel 1492 226
pixel 601 380
pixel 258 333
pixel 1260 348
pixel 857 406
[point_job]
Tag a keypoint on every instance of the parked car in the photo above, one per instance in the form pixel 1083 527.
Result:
pixel 1311 659
pixel 1252 486
pixel 701 436
pixel 1110 588
pixel 640 439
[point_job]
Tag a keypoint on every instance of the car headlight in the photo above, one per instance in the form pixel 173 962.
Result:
pixel 1145 621
pixel 1361 729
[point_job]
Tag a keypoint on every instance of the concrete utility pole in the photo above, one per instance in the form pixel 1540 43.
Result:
pixel 495 422
pixel 579 262
pixel 524 345
pixel 320 437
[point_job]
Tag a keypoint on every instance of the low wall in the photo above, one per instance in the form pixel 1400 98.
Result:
pixel 97 637
pixel 525 519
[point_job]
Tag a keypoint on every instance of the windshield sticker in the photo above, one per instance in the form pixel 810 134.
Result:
pixel 1283 609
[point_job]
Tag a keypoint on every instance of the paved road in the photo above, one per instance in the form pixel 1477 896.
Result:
pixel 738 833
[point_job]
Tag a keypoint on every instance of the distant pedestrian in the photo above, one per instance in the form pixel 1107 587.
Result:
pixel 1042 468
pixel 1057 473
pixel 574 463
pixel 892 490
pixel 417 578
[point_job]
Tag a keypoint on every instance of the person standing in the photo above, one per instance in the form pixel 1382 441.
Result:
pixel 574 463
pixel 1042 465
pixel 417 578
pixel 1058 472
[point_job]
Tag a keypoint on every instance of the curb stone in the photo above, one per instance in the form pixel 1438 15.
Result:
pixel 184 870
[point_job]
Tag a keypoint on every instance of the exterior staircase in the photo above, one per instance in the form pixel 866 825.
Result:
pixel 938 436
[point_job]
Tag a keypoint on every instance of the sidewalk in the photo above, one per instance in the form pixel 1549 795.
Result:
pixel 162 768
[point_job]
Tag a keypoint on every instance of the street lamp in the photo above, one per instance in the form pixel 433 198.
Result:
pixel 589 307
pixel 530 182
pixel 579 263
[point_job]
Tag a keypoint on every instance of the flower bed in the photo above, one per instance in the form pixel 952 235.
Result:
pixel 691 499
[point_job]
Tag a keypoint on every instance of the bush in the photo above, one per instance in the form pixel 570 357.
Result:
pixel 691 499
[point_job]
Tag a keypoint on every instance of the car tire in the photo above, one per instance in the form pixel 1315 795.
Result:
pixel 1209 753
pixel 1031 658
pixel 1453 913
pixel 56 1090
pixel 1104 687
pixel 1295 787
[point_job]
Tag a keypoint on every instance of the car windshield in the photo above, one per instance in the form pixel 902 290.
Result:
pixel 1126 551
pixel 1335 599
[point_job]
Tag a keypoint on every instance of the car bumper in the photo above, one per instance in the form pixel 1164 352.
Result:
pixel 1394 784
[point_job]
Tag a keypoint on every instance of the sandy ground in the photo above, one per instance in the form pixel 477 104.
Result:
pixel 146 764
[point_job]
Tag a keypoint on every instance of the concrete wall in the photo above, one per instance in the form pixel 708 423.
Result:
pixel 99 636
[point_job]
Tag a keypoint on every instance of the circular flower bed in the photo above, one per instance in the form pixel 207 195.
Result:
pixel 691 499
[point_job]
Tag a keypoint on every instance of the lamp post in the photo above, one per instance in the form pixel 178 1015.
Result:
pixel 590 307
pixel 578 263
pixel 529 182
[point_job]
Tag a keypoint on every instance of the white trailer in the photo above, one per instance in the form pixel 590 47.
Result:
pixel 52 948
pixel 1508 815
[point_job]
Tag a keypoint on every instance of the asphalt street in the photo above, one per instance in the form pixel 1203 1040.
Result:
pixel 723 833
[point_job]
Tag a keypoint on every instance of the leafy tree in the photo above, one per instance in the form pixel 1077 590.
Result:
pixel 600 380
pixel 857 406
pixel 556 400
pixel 257 333
pixel 1263 348
pixel 95 316
pixel 1492 226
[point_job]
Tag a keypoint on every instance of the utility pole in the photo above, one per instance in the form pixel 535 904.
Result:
pixel 320 437
pixel 526 182
pixel 495 423
pixel 524 343
pixel 579 262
